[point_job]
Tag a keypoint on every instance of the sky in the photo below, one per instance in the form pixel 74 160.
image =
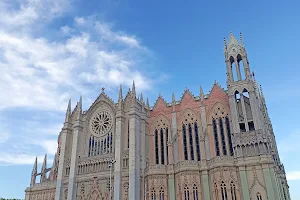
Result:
pixel 53 50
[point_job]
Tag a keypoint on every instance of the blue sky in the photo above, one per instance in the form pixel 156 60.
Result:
pixel 53 50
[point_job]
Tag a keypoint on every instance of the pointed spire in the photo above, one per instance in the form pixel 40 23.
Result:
pixel 201 93
pixel 173 98
pixel 225 45
pixel 241 39
pixel 34 170
pixel 141 98
pixel 68 112
pixel 133 89
pixel 120 94
pixel 79 107
pixel 80 102
pixel 147 103
pixel 44 166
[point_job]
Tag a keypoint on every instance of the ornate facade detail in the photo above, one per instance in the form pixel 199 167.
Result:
pixel 213 146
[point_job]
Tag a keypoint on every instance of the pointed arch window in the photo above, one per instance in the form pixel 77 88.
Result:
pixel 191 142
pixel 167 141
pixel 258 196
pixel 162 146
pixel 153 195
pixel 229 135
pixel 186 193
pixel 156 147
pixel 223 191
pixel 216 137
pixel 195 192
pixel 197 141
pixel 232 190
pixel 222 136
pixel 161 194
pixel 184 142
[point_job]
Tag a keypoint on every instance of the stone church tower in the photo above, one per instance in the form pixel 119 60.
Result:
pixel 215 146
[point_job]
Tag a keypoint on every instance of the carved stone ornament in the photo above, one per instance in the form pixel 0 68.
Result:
pixel 101 123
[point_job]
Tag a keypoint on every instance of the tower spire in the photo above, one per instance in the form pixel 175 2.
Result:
pixel 34 170
pixel 173 98
pixel 44 169
pixel 141 98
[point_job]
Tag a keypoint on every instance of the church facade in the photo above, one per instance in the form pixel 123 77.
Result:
pixel 215 146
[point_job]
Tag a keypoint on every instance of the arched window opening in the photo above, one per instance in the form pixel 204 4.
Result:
pixel 167 141
pixel 191 142
pixel 90 145
pixel 232 191
pixel 186 193
pixel 223 191
pixel 153 195
pixel 233 69
pixel 229 135
pixel 222 136
pixel 161 194
pixel 184 143
pixel 258 196
pixel 216 138
pixel 197 141
pixel 156 147
pixel 162 147
pixel 241 66
pixel 195 192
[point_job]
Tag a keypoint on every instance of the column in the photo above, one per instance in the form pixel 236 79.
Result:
pixel 118 155
pixel 134 154
pixel 238 70
pixel 276 189
pixel 234 114
pixel 205 185
pixel 204 133
pixel 60 174
pixel 244 113
pixel 73 164
pixel 174 135
pixel 244 183
pixel 171 186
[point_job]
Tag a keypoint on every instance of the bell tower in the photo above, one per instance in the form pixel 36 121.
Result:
pixel 243 95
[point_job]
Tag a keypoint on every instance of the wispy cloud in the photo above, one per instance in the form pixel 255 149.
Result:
pixel 43 67
pixel 293 175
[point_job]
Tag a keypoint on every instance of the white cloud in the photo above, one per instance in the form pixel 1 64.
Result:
pixel 290 143
pixel 79 20
pixel 19 159
pixel 49 145
pixel 293 175
pixel 43 73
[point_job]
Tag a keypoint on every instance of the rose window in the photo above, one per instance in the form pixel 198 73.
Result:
pixel 101 123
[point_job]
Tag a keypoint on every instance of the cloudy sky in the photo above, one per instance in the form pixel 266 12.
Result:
pixel 53 50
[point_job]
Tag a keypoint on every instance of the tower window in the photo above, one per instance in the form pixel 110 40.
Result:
pixel 156 147
pixel 184 142
pixel 197 141
pixel 251 126
pixel 191 142
pixel 162 146
pixel 167 140
pixel 229 135
pixel 258 196
pixel 232 191
pixel 216 137
pixel 186 193
pixel 195 192
pixel 242 127
pixel 222 136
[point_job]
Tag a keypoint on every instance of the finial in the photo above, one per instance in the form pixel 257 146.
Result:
pixel 133 89
pixel 241 39
pixel 120 94
pixel 102 89
pixel 34 170
pixel 147 103
pixel 80 102
pixel 215 82
pixel 225 45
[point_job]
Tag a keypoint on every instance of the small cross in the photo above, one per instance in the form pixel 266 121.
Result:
pixel 103 89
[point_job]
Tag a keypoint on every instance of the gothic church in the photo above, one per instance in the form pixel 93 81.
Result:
pixel 215 146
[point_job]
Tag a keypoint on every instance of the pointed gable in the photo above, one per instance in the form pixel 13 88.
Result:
pixel 217 94
pixel 160 105
pixel 187 97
